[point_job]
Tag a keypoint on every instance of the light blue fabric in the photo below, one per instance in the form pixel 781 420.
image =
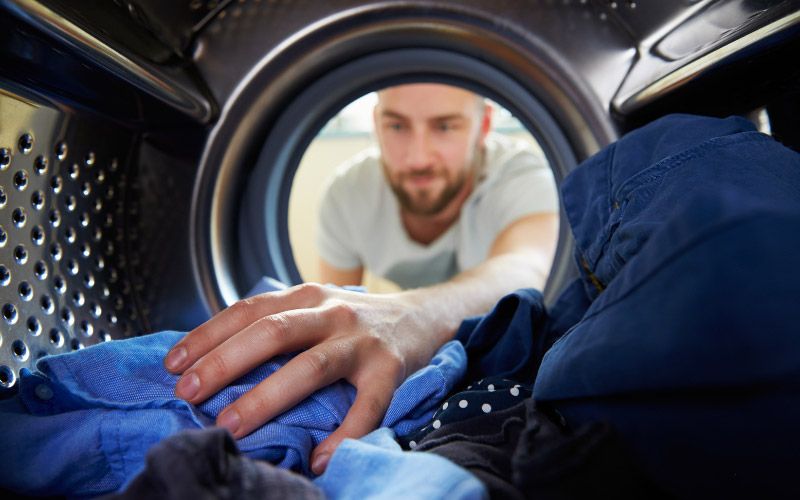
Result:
pixel 375 467
pixel 84 421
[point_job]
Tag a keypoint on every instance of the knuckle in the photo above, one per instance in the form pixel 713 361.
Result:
pixel 274 328
pixel 316 363
pixel 215 367
pixel 253 407
pixel 385 359
pixel 242 311
pixel 342 313
pixel 310 292
pixel 378 346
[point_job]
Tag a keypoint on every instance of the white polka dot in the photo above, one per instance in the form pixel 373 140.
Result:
pixel 463 403
pixel 515 391
pixel 412 444
pixel 445 405
pixel 437 424
pixel 486 407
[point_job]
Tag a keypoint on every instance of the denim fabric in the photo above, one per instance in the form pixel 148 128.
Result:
pixel 509 340
pixel 84 422
pixel 622 195
pixel 687 235
pixel 375 467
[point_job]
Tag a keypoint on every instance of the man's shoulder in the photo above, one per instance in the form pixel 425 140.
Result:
pixel 361 169
pixel 507 157
pixel 357 182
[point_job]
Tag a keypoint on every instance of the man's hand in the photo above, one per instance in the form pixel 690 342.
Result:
pixel 372 341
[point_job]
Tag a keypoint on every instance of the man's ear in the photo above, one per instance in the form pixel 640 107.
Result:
pixel 486 121
pixel 375 113
pixel 375 126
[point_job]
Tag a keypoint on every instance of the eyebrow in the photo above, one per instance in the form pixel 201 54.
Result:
pixel 447 118
pixel 393 114
pixel 399 116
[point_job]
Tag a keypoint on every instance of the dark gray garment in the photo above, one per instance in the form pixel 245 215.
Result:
pixel 205 464
pixel 520 452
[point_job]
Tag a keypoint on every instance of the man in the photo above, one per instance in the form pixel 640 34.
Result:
pixel 439 196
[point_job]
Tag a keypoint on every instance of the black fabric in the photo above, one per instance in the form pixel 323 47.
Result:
pixel 521 452
pixel 485 396
pixel 205 464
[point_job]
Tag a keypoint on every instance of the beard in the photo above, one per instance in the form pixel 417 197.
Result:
pixel 424 201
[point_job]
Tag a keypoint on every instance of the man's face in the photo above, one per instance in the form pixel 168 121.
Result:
pixel 430 137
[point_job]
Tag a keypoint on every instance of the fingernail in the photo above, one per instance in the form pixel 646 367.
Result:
pixel 320 463
pixel 175 358
pixel 187 386
pixel 230 420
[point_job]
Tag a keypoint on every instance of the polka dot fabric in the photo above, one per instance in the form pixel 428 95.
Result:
pixel 485 396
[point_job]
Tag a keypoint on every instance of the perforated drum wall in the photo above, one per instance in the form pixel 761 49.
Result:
pixel 64 280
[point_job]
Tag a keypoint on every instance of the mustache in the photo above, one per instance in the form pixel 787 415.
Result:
pixel 416 174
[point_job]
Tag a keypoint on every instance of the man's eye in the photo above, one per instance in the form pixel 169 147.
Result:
pixel 445 127
pixel 396 126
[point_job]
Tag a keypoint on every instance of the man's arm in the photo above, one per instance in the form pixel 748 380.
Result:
pixel 372 341
pixel 520 257
pixel 339 277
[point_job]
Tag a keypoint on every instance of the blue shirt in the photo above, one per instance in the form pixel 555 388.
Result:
pixel 375 467
pixel 85 420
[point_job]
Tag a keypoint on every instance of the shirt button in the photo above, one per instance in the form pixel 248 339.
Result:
pixel 44 392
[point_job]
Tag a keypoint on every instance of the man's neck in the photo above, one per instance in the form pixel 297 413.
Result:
pixel 425 229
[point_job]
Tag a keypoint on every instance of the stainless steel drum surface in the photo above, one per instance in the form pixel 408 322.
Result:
pixel 129 130
pixel 64 271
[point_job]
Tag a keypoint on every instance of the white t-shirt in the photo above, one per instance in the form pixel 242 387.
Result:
pixel 360 224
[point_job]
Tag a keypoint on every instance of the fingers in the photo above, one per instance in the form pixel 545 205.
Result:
pixel 234 319
pixel 265 338
pixel 345 340
pixel 372 400
pixel 301 376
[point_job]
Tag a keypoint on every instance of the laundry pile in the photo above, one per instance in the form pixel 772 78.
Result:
pixel 670 367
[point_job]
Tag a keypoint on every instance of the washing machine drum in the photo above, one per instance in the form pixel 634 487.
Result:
pixel 147 150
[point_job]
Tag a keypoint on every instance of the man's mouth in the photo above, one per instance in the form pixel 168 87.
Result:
pixel 420 179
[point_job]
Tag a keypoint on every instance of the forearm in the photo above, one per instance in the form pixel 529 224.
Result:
pixel 442 307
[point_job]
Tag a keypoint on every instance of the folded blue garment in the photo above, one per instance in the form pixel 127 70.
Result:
pixel 84 421
pixel 687 233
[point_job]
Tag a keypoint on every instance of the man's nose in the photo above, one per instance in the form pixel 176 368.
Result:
pixel 420 152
